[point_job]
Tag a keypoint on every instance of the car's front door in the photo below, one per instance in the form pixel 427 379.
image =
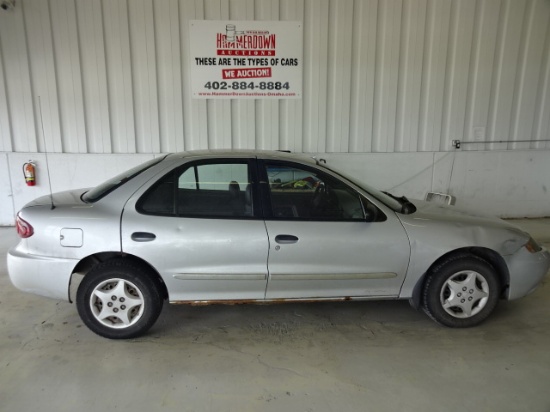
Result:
pixel 321 245
pixel 199 227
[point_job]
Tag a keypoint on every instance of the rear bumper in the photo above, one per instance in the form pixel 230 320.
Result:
pixel 526 271
pixel 41 275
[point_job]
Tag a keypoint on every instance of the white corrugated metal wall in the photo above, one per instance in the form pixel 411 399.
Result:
pixel 387 85
pixel 378 76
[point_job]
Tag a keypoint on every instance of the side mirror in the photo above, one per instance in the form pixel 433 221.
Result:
pixel 408 208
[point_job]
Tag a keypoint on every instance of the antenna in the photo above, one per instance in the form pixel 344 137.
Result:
pixel 46 152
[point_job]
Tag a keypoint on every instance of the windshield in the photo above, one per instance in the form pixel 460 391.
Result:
pixel 107 187
pixel 384 198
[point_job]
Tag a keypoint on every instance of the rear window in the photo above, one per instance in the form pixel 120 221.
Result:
pixel 107 187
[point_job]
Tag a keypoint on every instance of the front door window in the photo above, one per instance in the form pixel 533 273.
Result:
pixel 298 193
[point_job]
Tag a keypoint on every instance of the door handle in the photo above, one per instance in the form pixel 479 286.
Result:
pixel 143 236
pixel 286 239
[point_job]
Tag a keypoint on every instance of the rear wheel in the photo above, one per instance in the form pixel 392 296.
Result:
pixel 461 292
pixel 119 300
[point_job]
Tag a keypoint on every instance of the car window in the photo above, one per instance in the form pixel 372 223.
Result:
pixel 221 189
pixel 381 196
pixel 304 194
pixel 107 187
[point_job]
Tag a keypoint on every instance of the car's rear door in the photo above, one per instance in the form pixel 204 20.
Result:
pixel 200 227
pixel 321 245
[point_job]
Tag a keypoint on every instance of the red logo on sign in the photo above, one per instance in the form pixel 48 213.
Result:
pixel 231 52
pixel 248 73
pixel 245 43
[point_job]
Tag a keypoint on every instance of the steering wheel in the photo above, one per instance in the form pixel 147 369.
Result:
pixel 320 195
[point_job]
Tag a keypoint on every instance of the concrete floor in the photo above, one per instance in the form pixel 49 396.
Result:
pixel 379 356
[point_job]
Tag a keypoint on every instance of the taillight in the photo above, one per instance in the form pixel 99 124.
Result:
pixel 24 228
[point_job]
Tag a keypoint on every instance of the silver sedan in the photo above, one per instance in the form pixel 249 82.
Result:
pixel 251 226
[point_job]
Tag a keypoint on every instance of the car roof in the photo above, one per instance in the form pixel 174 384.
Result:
pixel 261 154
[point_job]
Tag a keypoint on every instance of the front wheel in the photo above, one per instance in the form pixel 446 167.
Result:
pixel 118 300
pixel 461 292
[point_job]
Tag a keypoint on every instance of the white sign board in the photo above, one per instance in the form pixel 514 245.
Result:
pixel 246 59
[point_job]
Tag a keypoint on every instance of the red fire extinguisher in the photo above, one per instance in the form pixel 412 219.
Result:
pixel 29 171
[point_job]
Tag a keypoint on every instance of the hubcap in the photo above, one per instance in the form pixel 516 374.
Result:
pixel 464 294
pixel 117 303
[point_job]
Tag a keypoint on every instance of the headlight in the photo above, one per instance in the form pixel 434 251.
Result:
pixel 532 246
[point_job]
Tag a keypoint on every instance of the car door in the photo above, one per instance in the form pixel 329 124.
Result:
pixel 199 226
pixel 321 245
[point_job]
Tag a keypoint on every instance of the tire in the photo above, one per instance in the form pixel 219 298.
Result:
pixel 461 292
pixel 119 300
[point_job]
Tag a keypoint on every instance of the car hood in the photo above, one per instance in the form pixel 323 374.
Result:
pixel 437 211
pixel 66 198
pixel 458 227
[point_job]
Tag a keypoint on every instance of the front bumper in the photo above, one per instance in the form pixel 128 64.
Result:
pixel 41 275
pixel 526 271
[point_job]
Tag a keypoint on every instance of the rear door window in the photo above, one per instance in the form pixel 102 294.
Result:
pixel 214 189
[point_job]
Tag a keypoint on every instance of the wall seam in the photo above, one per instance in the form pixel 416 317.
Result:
pixel 11 187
